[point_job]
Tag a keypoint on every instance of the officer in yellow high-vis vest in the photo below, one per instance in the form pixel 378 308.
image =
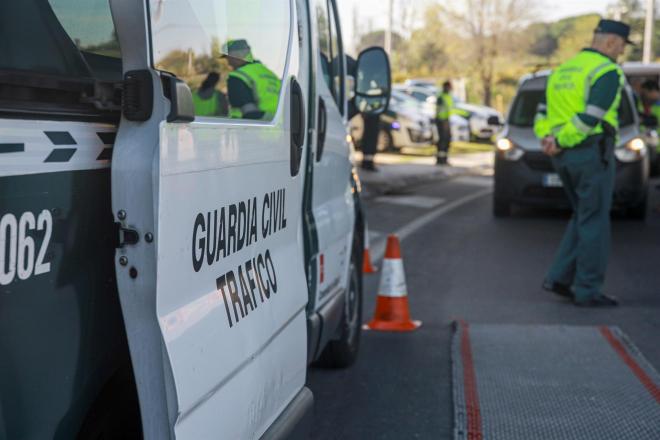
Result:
pixel 207 100
pixel 253 89
pixel 444 107
pixel 579 128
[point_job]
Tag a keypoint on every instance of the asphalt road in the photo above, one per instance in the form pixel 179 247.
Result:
pixel 465 264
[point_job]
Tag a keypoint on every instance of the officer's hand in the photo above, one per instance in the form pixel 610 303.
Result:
pixel 549 146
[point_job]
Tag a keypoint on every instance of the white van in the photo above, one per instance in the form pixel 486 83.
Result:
pixel 180 224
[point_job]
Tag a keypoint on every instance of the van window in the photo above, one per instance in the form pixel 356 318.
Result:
pixel 524 108
pixel 231 53
pixel 330 50
pixel 337 57
pixel 323 27
pixel 53 52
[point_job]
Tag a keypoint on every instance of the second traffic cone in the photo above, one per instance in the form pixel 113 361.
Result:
pixel 392 312
pixel 367 267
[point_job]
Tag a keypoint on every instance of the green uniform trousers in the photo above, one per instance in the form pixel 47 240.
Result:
pixel 588 180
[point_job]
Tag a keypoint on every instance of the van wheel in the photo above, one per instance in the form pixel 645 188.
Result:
pixel 116 412
pixel 385 141
pixel 501 208
pixel 343 352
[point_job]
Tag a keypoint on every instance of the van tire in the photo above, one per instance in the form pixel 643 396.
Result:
pixel 116 412
pixel 342 352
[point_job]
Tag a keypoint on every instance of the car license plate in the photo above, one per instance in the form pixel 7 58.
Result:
pixel 552 181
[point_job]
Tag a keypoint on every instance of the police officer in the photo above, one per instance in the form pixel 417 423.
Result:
pixel 578 130
pixel 253 89
pixel 207 100
pixel 648 104
pixel 444 107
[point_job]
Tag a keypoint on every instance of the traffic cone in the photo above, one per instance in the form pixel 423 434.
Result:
pixel 367 267
pixel 392 313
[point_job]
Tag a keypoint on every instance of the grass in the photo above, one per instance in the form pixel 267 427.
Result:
pixel 456 148
pixel 470 147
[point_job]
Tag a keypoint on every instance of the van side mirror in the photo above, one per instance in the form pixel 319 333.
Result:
pixel 182 108
pixel 373 81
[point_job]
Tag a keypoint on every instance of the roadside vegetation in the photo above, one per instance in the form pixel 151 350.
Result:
pixel 489 44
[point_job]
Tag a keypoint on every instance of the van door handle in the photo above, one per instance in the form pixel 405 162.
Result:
pixel 323 125
pixel 297 126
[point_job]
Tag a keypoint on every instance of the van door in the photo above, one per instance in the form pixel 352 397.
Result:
pixel 210 272
pixel 332 198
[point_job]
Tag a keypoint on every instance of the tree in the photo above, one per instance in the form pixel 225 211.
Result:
pixel 489 27
pixel 427 49
pixel 575 33
pixel 377 38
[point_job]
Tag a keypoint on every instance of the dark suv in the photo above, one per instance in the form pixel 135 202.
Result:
pixel 526 176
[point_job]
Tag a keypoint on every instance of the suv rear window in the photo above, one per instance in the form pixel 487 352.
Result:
pixel 54 53
pixel 524 108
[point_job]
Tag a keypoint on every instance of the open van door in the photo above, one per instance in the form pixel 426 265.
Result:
pixel 210 264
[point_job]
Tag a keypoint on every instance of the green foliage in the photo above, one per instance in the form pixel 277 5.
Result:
pixel 491 54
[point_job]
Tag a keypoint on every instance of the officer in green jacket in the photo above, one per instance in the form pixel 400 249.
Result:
pixel 578 128
pixel 444 107
pixel 253 89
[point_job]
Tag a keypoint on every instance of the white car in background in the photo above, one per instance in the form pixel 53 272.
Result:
pixel 426 96
pixel 485 122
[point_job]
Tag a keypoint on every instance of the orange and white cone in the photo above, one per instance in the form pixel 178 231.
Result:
pixel 367 267
pixel 392 313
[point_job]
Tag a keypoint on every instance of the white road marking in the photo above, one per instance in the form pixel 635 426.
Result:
pixel 378 248
pixel 375 236
pixel 475 180
pixel 414 201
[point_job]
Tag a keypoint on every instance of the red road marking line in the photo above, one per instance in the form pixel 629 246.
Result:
pixel 644 378
pixel 470 384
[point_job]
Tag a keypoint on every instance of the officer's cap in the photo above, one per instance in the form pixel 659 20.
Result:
pixel 614 27
pixel 237 49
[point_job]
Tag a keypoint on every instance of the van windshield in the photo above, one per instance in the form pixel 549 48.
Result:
pixel 526 103
pixel 54 53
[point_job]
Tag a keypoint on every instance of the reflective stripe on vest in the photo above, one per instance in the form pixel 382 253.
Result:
pixel 568 92
pixel 265 87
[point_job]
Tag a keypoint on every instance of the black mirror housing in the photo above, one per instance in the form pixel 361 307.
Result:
pixel 182 108
pixel 373 81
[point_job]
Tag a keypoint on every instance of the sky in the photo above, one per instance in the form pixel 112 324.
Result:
pixel 374 12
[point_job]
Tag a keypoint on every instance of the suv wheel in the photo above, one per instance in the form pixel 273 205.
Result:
pixel 501 207
pixel 343 352
pixel 637 212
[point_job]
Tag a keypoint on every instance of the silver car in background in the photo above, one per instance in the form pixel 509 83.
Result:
pixel 405 124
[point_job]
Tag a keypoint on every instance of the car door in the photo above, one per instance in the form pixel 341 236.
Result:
pixel 210 269
pixel 332 198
